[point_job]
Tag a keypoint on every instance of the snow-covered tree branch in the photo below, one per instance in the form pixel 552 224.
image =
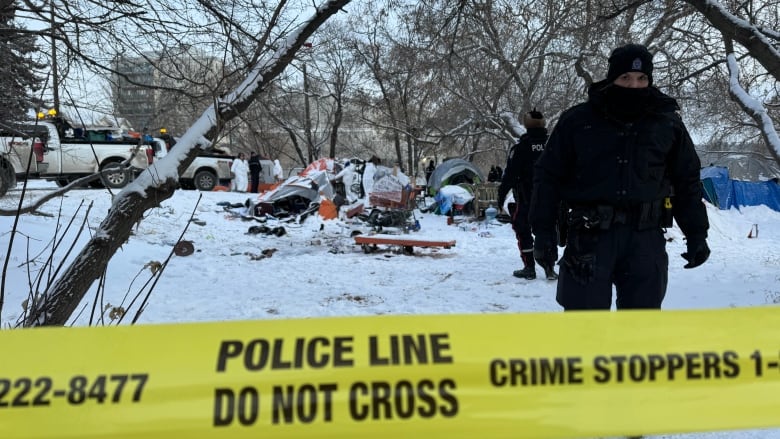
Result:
pixel 762 45
pixel 754 108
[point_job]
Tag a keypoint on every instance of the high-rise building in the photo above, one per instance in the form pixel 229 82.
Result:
pixel 155 90
pixel 133 97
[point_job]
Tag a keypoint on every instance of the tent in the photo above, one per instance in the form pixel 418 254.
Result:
pixel 453 172
pixel 748 167
pixel 724 192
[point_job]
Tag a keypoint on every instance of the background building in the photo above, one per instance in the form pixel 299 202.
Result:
pixel 164 90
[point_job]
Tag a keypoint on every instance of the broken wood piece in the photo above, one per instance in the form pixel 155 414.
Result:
pixel 407 242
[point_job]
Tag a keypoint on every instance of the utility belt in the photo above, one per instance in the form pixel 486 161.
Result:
pixel 643 216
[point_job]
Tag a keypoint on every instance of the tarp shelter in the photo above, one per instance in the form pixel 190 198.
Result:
pixel 453 172
pixel 451 196
pixel 749 167
pixel 725 193
pixel 312 181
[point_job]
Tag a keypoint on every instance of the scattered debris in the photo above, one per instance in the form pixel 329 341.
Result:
pixel 358 299
pixel 153 266
pixel 265 230
pixel 183 248
pixel 267 253
pixel 357 210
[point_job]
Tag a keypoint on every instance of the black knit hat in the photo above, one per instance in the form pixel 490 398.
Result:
pixel 533 119
pixel 630 58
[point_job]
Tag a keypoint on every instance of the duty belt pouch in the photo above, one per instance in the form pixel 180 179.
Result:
pixel 580 256
pixel 588 218
pixel 606 215
pixel 651 215
pixel 667 220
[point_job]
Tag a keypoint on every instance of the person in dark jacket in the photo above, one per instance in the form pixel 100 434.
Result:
pixel 428 171
pixel 254 172
pixel 624 166
pixel 518 177
pixel 170 141
pixel 491 174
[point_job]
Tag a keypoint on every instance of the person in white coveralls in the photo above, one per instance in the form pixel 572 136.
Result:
pixel 240 169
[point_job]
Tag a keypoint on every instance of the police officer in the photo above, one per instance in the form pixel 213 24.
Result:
pixel 518 177
pixel 255 167
pixel 624 165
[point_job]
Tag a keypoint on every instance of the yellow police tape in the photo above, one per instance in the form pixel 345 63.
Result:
pixel 538 375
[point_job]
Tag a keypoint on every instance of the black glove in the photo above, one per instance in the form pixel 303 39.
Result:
pixel 501 201
pixel 697 253
pixel 546 253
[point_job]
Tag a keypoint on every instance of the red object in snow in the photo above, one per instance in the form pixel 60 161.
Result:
pixel 357 210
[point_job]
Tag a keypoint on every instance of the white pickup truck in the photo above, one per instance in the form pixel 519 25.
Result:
pixel 63 159
pixel 206 172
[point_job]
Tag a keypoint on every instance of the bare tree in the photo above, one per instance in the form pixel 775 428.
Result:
pixel 401 93
pixel 56 304
pixel 335 69
pixel 372 48
pixel 757 33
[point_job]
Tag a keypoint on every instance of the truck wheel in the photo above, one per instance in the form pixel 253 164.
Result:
pixel 205 181
pixel 115 179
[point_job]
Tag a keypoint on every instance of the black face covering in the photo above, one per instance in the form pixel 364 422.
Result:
pixel 627 104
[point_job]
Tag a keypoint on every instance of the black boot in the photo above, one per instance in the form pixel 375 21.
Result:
pixel 550 273
pixel 528 272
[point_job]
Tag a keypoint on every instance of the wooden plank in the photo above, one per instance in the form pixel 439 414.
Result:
pixel 405 241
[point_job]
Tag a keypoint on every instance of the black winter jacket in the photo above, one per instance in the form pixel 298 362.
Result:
pixel 592 157
pixel 519 171
pixel 255 167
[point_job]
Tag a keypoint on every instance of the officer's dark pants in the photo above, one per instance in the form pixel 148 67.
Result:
pixel 634 261
pixel 254 179
pixel 522 228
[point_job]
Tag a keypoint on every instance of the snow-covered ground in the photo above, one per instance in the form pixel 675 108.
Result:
pixel 316 270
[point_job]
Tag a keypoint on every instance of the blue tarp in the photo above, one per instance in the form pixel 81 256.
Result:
pixel 725 193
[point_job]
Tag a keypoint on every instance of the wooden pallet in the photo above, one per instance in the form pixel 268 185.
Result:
pixel 485 195
pixel 407 243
